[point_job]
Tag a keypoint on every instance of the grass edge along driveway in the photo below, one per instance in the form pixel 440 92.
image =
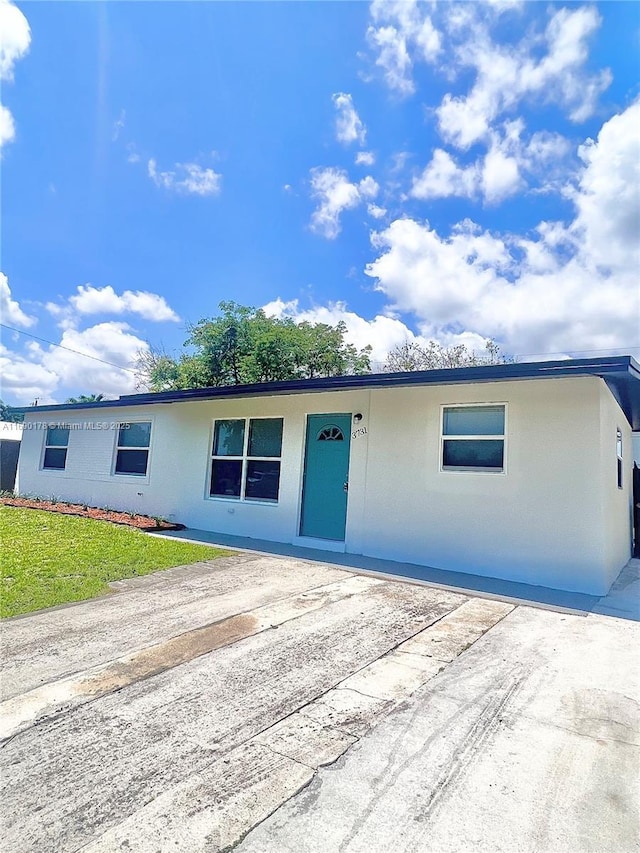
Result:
pixel 48 559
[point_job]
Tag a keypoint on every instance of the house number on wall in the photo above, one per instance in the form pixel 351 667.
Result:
pixel 358 432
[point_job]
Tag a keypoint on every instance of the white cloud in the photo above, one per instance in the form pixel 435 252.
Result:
pixel 401 30
pixel 112 342
pixel 15 38
pixel 548 66
pixel 335 193
pixel 24 381
pixel 382 333
pixel 571 287
pixel 7 126
pixel 607 199
pixel 368 187
pixel 500 176
pixel 443 178
pixel 10 311
pixel 104 300
pixel 545 148
pixel 376 211
pixel 187 178
pixel 51 374
pixel 505 74
pixel 509 165
pixel 365 158
pixel 349 127
pixel 393 58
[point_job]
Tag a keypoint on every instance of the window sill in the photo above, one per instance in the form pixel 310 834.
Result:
pixel 240 502
pixel 473 471
pixel 133 478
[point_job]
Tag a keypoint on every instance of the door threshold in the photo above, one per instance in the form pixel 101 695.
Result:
pixel 335 545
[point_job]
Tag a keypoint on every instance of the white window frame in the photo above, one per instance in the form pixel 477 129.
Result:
pixel 500 472
pixel 619 458
pixel 46 447
pixel 245 458
pixel 117 447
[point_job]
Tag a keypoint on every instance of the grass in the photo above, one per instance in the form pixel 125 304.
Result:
pixel 48 559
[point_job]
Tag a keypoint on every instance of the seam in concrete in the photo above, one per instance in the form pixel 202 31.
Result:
pixel 393 649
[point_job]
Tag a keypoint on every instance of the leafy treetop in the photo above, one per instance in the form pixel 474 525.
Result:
pixel 244 345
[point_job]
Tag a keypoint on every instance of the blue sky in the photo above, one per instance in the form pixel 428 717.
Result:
pixel 420 171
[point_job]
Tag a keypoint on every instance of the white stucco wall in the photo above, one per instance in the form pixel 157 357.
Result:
pixel 555 517
pixel 179 462
pixel 550 519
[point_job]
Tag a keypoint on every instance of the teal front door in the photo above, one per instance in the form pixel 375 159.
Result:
pixel 326 477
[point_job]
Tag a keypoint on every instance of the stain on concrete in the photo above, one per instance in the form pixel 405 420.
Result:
pixel 164 656
pixel 602 714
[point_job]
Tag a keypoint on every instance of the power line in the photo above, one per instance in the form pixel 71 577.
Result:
pixel 68 349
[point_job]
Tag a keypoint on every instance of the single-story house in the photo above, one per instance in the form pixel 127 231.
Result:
pixel 10 435
pixel 515 471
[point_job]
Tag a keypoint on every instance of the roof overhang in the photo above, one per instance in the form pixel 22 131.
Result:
pixel 620 373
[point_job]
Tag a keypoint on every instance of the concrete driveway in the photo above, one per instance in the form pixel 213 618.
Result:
pixel 275 705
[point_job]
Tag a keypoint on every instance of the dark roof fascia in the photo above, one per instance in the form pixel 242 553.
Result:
pixel 625 389
pixel 621 373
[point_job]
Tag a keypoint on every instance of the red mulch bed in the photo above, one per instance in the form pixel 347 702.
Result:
pixel 142 522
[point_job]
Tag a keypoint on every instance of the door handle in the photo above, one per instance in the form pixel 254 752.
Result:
pixel 345 486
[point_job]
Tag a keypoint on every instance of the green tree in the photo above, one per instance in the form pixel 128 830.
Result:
pixel 9 414
pixel 243 345
pixel 86 398
pixel 434 356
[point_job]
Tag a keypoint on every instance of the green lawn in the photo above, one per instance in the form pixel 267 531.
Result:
pixel 48 559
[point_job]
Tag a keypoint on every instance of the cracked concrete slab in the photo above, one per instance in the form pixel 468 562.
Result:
pixel 457 631
pixel 49 645
pixel 525 743
pixel 344 713
pixel 96 765
pixel 19 712
pixel 306 740
pixel 212 809
pixel 347 710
